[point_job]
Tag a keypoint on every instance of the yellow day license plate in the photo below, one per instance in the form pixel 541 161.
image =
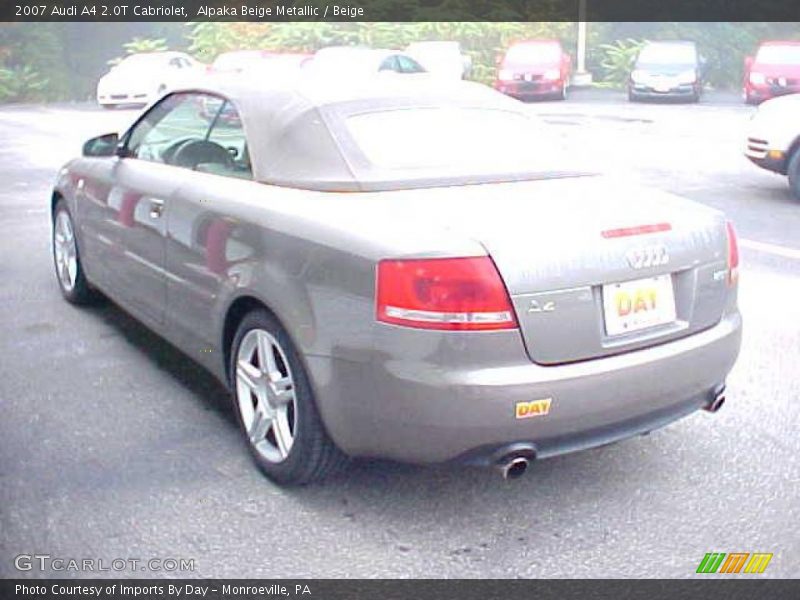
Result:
pixel 635 305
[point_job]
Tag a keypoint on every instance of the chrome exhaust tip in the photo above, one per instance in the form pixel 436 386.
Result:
pixel 513 467
pixel 717 400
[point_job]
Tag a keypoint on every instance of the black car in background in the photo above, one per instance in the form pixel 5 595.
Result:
pixel 667 70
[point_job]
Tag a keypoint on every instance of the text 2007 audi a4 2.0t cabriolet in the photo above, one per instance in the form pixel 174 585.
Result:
pixel 399 270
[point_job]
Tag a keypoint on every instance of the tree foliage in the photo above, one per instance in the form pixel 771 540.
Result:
pixel 618 59
pixel 18 84
pixel 141 45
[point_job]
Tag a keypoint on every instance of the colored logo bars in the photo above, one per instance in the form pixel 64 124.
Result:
pixel 716 562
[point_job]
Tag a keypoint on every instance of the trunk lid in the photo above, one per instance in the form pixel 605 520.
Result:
pixel 547 240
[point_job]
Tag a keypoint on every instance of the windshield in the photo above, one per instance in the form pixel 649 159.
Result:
pixel 461 139
pixel 779 55
pixel 534 53
pixel 668 54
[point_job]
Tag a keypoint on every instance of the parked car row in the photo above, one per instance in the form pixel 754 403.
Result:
pixel 529 69
pixel 142 78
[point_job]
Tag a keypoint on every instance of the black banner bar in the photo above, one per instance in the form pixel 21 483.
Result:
pixel 743 587
pixel 401 10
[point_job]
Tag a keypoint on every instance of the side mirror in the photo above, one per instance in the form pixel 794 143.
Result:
pixel 102 145
pixel 748 62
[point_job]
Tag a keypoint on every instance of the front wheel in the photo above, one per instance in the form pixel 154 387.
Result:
pixel 793 171
pixel 275 405
pixel 67 259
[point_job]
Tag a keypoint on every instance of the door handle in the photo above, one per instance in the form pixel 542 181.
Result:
pixel 156 208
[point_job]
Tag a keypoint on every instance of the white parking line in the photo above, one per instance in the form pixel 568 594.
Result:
pixel 782 251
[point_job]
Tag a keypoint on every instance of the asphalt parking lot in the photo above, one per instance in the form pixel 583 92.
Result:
pixel 113 445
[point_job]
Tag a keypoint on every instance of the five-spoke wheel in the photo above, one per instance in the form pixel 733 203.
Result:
pixel 275 404
pixel 265 395
pixel 67 259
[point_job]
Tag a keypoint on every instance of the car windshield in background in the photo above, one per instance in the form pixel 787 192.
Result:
pixel 667 54
pixel 450 138
pixel 779 55
pixel 534 53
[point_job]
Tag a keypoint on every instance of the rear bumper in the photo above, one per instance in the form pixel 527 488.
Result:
pixel 412 410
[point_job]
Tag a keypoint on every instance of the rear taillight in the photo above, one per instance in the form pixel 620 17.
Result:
pixel 733 255
pixel 443 293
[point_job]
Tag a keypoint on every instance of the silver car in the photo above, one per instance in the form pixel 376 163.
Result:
pixel 400 269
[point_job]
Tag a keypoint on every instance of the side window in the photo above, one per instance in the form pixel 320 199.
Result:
pixel 170 123
pixel 389 64
pixel 193 131
pixel 409 65
pixel 227 132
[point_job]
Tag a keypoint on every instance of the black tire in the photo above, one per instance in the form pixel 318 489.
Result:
pixel 313 456
pixel 82 292
pixel 793 171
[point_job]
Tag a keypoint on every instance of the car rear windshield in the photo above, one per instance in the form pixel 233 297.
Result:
pixel 534 53
pixel 779 55
pixel 668 54
pixel 450 138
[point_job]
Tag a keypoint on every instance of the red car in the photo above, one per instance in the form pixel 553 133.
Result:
pixel 534 69
pixel 775 71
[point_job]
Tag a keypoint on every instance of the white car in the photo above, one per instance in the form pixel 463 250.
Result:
pixel 441 58
pixel 241 61
pixel 143 78
pixel 357 61
pixel 773 139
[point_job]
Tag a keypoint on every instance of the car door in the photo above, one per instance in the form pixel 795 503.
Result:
pixel 205 241
pixel 139 186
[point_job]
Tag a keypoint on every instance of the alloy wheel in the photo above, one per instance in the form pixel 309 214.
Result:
pixel 65 251
pixel 265 393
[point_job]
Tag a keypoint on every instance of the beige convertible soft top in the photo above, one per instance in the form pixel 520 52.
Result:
pixel 297 134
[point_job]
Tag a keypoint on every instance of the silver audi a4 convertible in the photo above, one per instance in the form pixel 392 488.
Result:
pixel 400 269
